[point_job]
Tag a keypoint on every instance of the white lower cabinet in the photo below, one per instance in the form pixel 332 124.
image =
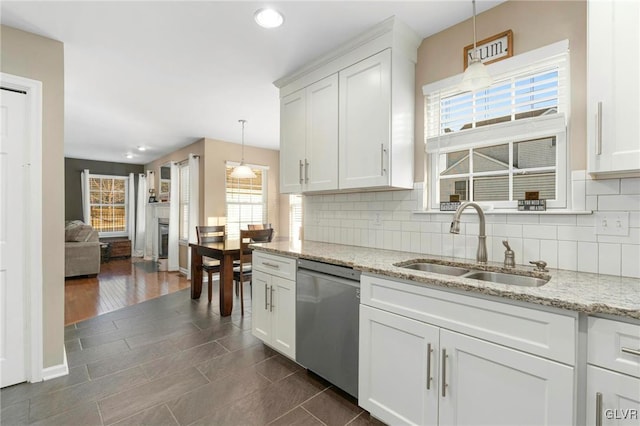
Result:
pixel 612 398
pixel 613 373
pixel 412 372
pixel 273 318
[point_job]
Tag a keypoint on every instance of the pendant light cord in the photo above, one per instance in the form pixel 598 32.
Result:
pixel 473 56
pixel 242 122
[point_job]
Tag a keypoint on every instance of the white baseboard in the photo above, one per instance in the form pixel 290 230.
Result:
pixel 56 370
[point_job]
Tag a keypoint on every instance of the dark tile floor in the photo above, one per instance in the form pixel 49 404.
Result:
pixel 175 361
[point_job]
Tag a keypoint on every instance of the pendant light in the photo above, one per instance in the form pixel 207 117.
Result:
pixel 242 171
pixel 476 75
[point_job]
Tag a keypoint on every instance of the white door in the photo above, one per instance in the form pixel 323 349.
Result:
pixel 283 315
pixel 398 368
pixel 12 257
pixel 260 317
pixel 488 384
pixel 292 142
pixel 321 161
pixel 620 398
pixel 365 122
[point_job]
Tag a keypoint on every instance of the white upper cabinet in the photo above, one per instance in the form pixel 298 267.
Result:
pixel 613 88
pixel 347 119
pixel 309 138
pixel 365 99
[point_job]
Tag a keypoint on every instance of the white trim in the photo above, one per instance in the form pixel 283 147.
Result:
pixel 57 370
pixel 33 233
pixel 501 67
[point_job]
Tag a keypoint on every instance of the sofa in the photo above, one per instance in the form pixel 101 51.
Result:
pixel 81 249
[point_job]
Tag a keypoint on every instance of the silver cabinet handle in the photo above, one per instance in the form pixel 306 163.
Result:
pixel 598 409
pixel 444 373
pixel 306 171
pixel 271 265
pixel 271 304
pixel 266 301
pixel 429 351
pixel 382 151
pixel 599 129
pixel 300 172
pixel 631 351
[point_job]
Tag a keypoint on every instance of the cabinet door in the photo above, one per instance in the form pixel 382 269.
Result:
pixel 613 128
pixel 282 306
pixel 620 397
pixel 292 141
pixel 260 315
pixel 365 111
pixel 321 161
pixel 395 366
pixel 485 383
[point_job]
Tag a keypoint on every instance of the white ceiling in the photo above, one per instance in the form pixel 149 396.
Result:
pixel 163 74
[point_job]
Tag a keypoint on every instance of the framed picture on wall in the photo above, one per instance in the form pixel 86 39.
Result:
pixel 164 189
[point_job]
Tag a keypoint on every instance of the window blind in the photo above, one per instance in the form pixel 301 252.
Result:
pixel 246 200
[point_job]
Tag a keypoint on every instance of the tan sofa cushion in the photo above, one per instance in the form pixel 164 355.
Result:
pixel 78 231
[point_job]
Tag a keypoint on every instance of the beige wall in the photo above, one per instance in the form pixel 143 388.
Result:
pixel 38 58
pixel 534 24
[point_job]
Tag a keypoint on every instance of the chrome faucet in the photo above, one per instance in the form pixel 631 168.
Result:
pixel 481 255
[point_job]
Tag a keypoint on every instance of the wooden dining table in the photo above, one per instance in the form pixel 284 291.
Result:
pixel 226 252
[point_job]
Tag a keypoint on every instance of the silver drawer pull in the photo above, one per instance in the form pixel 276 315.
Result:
pixel 271 304
pixel 598 409
pixel 271 265
pixel 266 299
pixel 599 130
pixel 635 352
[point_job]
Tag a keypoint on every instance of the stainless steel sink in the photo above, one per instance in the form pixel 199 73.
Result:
pixel 511 279
pixel 436 268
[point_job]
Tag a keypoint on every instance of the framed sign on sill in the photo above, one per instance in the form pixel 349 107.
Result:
pixel 492 49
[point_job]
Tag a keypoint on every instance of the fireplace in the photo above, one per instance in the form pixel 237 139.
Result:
pixel 163 238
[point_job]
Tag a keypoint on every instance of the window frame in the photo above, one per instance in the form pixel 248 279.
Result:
pixel 109 234
pixel 552 125
pixel 230 230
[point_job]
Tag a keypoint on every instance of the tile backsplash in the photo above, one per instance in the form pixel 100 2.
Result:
pixel 394 220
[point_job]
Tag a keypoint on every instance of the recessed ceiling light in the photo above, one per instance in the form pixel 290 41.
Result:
pixel 268 18
pixel 129 155
pixel 142 148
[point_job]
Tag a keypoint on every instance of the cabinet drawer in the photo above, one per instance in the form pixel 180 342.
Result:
pixel 280 266
pixel 537 332
pixel 614 345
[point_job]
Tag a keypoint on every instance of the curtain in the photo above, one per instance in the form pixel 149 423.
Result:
pixel 194 204
pixel 174 219
pixel 131 212
pixel 141 216
pixel 86 198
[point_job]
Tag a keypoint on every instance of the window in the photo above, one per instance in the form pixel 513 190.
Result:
pixel 494 144
pixel 109 204
pixel 184 202
pixel 295 216
pixel 246 200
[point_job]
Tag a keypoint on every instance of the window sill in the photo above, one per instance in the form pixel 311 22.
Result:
pixel 511 211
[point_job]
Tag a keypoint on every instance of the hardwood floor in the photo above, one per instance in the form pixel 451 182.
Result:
pixel 121 282
pixel 175 361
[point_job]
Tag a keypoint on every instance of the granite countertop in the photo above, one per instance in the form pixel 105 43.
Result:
pixel 576 291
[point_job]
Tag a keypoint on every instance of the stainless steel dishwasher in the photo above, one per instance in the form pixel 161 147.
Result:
pixel 327 314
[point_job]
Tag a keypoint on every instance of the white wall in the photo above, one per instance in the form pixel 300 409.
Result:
pixel 564 241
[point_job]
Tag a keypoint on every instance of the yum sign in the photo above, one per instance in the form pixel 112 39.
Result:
pixel 492 49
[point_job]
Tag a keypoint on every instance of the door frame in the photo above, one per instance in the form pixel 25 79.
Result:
pixel 33 308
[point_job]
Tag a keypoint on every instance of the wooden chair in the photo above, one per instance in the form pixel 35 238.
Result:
pixel 243 272
pixel 210 234
pixel 254 226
